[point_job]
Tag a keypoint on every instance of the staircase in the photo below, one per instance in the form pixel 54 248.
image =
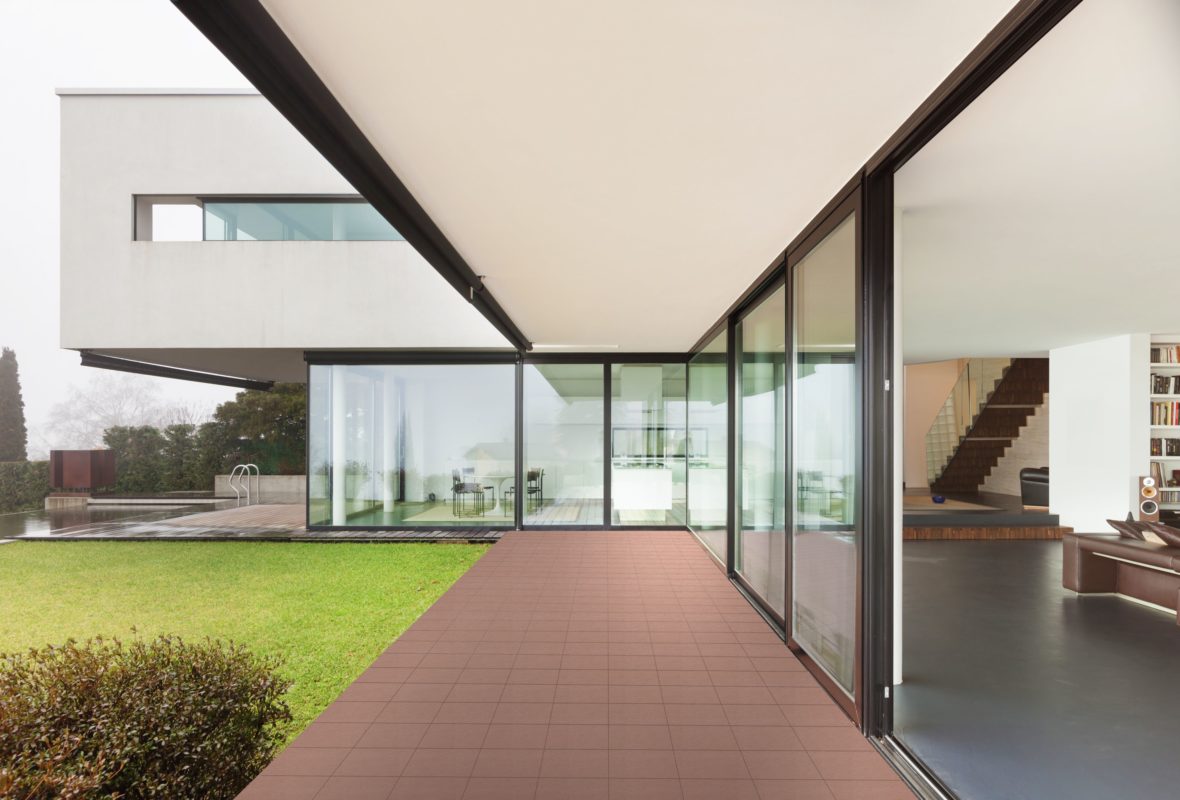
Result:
pixel 1004 404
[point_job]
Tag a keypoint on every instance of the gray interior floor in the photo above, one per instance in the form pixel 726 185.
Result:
pixel 1017 688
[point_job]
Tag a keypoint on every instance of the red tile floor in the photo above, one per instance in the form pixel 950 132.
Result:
pixel 584 665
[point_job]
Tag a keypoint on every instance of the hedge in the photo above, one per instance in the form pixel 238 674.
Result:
pixel 23 485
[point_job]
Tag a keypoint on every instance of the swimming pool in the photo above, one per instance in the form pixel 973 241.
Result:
pixel 45 523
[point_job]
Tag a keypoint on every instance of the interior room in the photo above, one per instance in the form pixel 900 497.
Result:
pixel 1035 268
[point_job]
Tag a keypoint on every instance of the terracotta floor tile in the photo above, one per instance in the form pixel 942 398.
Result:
pixel 396 735
pixel 645 789
pixel 441 763
pixel 398 711
pixel 528 693
pixel 330 734
pixel 522 713
pixel 500 789
pixel 841 737
pixel 585 666
pixel 423 692
pixel 581 694
pixel 793 790
pixel 353 788
pixel 514 763
pixel 642 764
pixel 578 714
pixel 374 762
pixel 572 789
pixel 689 694
pixel 577 737
pixel 711 764
pixel 307 761
pixel 282 787
pixel 637 714
pixel 574 764
pixel 703 737
pixel 430 788
pixel 639 737
pixel 713 789
pixel 466 712
pixel 454 734
pixel 851 766
pixel 475 693
pixel 515 736
pixel 768 737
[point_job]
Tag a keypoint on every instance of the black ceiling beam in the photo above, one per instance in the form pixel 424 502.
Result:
pixel 254 43
pixel 90 359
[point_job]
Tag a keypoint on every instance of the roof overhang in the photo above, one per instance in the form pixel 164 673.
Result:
pixel 597 176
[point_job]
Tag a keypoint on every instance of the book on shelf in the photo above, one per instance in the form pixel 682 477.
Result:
pixel 1164 412
pixel 1161 446
pixel 1165 384
pixel 1165 354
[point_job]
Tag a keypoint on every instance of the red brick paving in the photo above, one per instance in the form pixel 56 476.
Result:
pixel 584 666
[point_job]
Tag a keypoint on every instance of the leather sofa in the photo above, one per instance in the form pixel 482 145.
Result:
pixel 1147 571
pixel 1034 486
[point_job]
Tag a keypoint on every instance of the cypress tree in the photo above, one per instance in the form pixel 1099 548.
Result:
pixel 14 437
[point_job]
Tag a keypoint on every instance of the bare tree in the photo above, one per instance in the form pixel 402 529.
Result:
pixel 109 399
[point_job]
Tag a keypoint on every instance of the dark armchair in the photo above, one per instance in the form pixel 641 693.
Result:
pixel 1034 487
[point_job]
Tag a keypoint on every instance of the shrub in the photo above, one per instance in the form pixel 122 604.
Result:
pixel 156 719
pixel 23 485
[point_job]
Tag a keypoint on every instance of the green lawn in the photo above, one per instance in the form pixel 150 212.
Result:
pixel 326 609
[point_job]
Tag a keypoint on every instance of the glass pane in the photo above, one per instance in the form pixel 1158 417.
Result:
pixel 413 446
pixel 288 220
pixel 563 416
pixel 649 444
pixel 761 541
pixel 824 436
pixel 708 434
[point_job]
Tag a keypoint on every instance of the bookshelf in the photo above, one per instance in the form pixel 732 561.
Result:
pixel 1164 419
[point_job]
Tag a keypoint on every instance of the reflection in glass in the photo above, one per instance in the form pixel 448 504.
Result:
pixel 824 437
pixel 414 446
pixel 294 220
pixel 649 444
pixel 563 419
pixel 708 403
pixel 761 539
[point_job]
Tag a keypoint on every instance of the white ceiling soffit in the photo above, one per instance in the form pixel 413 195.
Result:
pixel 621 172
pixel 1046 213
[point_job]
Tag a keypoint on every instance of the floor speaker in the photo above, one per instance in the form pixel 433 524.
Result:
pixel 1149 507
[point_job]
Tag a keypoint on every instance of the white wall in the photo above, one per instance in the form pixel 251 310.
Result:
pixel 117 293
pixel 1098 434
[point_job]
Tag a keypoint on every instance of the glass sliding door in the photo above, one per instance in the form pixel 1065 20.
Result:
pixel 563 444
pixel 761 536
pixel 412 445
pixel 649 444
pixel 708 441
pixel 825 455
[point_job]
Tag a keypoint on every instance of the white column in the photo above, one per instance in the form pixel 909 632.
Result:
pixel 339 407
pixel 389 428
pixel 1099 434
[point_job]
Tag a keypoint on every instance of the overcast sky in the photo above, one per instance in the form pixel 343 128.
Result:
pixel 46 44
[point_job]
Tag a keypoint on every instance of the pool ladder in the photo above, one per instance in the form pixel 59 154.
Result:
pixel 239 480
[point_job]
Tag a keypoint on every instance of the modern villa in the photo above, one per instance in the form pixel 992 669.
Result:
pixel 870 311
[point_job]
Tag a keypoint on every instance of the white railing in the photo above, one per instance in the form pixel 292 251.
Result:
pixel 240 479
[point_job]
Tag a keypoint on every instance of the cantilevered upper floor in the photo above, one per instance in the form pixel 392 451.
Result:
pixel 199 230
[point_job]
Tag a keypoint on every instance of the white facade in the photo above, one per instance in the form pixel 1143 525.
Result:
pixel 243 308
